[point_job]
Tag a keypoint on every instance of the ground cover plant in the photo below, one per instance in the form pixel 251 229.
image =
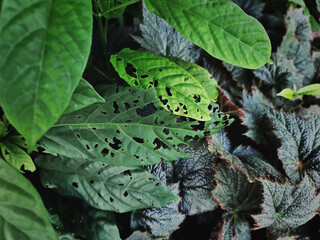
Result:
pixel 159 119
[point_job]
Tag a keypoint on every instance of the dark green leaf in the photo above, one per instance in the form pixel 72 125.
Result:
pixel 287 206
pixel 219 27
pixel 109 5
pixel 53 38
pixel 112 188
pixel 66 236
pixel 83 96
pixel 22 213
pixel 234 229
pixel 175 81
pixel 251 7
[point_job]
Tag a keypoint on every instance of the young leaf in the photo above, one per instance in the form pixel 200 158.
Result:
pixel 130 128
pixel 300 144
pixel 160 222
pixel 219 27
pixel 106 187
pixel 161 38
pixel 53 38
pixel 312 89
pixel 83 96
pixel 16 157
pixel 22 213
pixel 287 93
pixel 287 206
pixel 178 89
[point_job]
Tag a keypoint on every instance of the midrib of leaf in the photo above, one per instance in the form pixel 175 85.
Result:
pixel 221 29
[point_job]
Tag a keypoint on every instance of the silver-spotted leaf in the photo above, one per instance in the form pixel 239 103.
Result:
pixel 130 128
pixel 161 38
pixel 178 89
pixel 44 48
pixel 220 27
pixel 106 187
pixel 234 228
pixel 22 213
pixel 287 206
pixel 137 235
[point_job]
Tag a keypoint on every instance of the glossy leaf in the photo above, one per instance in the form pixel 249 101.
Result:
pixel 53 38
pixel 130 128
pixel 220 27
pixel 83 96
pixel 106 187
pixel 312 89
pixel 287 206
pixel 287 93
pixel 178 89
pixel 22 213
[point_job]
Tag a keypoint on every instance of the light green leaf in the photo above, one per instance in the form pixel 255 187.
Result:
pixel 287 93
pixel 22 213
pixel 287 206
pixel 83 96
pixel 44 47
pixel 218 26
pixel 16 157
pixel 312 89
pixel 111 188
pixel 130 128
pixel 178 89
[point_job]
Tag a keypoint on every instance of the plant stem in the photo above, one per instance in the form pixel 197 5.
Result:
pixel 119 7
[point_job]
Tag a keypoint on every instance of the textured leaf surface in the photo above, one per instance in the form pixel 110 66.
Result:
pixel 16 157
pixel 196 181
pixel 178 89
pixel 160 222
pixel 22 213
pixel 300 145
pixel 234 229
pixel 130 128
pixel 53 38
pixel 112 188
pixel 137 235
pixel 218 26
pixel 83 96
pixel 161 38
pixel 287 206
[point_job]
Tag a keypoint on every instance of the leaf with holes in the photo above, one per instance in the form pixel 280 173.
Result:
pixel 106 187
pixel 22 213
pixel 83 96
pixel 53 38
pixel 196 181
pixel 160 222
pixel 16 157
pixel 219 27
pixel 130 128
pixel 287 206
pixel 300 145
pixel 178 89
pixel 161 38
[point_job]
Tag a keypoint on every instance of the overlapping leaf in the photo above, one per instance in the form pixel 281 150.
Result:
pixel 130 128
pixel 22 213
pixel 251 7
pixel 287 206
pixel 218 26
pixel 53 38
pixel 234 229
pixel 106 187
pixel 178 89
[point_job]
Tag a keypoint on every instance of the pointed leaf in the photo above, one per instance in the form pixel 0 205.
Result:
pixel 287 206
pixel 312 89
pixel 287 93
pixel 22 213
pixel 216 26
pixel 177 88
pixel 112 188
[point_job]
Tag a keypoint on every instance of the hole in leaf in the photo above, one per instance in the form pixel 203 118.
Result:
pixel 197 98
pixel 116 145
pixel 164 101
pixel 104 152
pixel 187 138
pixel 22 168
pixel 168 91
pixel 130 70
pixel 111 199
pixel 125 194
pixel 95 146
pixel 166 131
pixel 127 172
pixel 104 113
pixel 88 147
pixel 158 144
pixel 135 101
pixel 6 152
pixel 156 83
pixel 138 140
pixel 99 194
pixel 160 70
pixel 91 181
pixel 112 154
pixel 115 107
pixel 78 136
pixel 119 59
pixel 121 184
pixel 177 109
pixel 144 76
pixel 117 131
pixel 106 140
pixel 74 184
pixel 147 110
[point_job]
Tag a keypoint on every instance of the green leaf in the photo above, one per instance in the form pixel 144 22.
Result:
pixel 287 93
pixel 312 89
pixel 114 8
pixel 300 144
pixel 83 96
pixel 130 128
pixel 220 27
pixel 161 38
pixel 234 229
pixel 16 157
pixel 287 206
pixel 160 222
pixel 22 213
pixel 196 181
pixel 178 89
pixel 251 7
pixel 66 236
pixel 4 126
pixel 53 38
pixel 106 187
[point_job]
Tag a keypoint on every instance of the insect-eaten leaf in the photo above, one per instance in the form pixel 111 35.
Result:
pixel 130 128
pixel 177 82
pixel 105 187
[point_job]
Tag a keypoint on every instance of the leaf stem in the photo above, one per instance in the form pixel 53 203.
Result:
pixel 119 7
